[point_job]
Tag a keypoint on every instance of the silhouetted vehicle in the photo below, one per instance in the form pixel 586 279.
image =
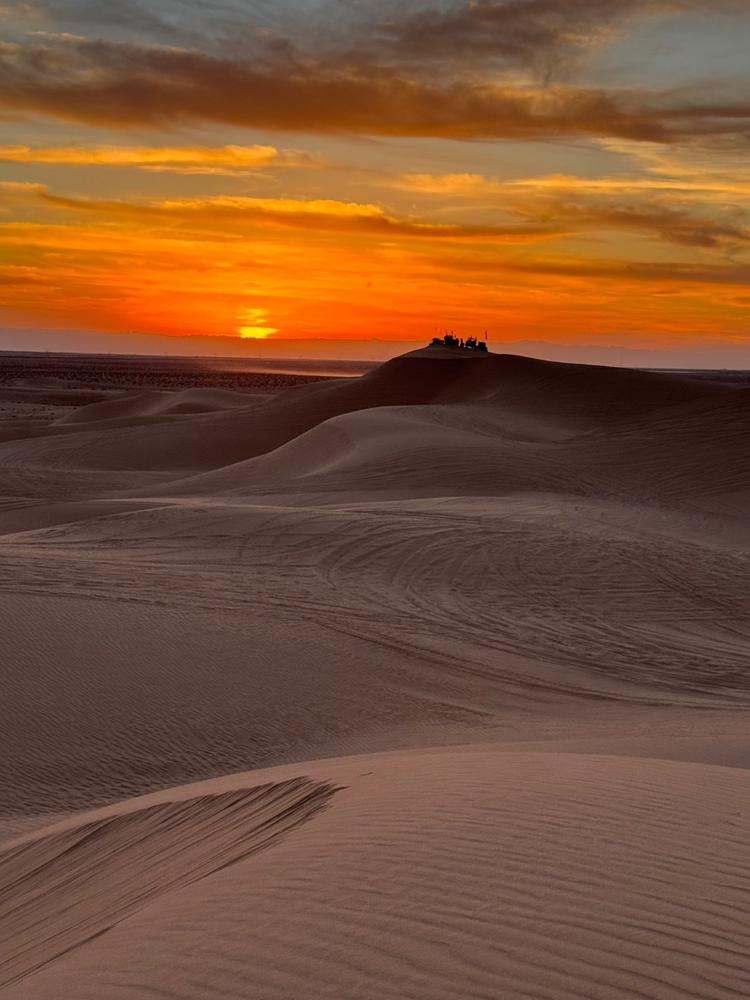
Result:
pixel 450 340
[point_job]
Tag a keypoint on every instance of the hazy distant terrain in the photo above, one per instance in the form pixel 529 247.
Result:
pixel 107 371
pixel 427 680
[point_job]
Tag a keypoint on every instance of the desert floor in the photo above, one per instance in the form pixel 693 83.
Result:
pixel 430 682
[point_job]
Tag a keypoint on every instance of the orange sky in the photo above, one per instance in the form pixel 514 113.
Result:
pixel 287 171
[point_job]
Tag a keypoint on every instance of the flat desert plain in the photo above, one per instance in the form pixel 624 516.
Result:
pixel 431 682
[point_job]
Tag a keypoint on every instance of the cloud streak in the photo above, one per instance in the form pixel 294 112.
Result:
pixel 177 159
pixel 679 212
pixel 673 274
pixel 240 213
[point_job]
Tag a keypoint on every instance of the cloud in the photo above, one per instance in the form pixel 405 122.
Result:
pixel 124 14
pixel 694 184
pixel 716 165
pixel 15 276
pixel 22 187
pixel 651 272
pixel 237 214
pixel 542 34
pixel 671 210
pixel 540 215
pixel 19 12
pixel 122 84
pixel 453 185
pixel 672 223
pixel 176 159
pixel 536 33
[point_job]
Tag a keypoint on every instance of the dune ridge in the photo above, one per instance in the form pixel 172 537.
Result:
pixel 155 403
pixel 574 397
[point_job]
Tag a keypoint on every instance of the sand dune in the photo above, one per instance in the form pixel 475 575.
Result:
pixel 497 450
pixel 154 403
pixel 452 874
pixel 530 389
pixel 542 569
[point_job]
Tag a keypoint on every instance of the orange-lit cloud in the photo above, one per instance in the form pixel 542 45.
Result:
pixel 321 215
pixel 696 183
pixel 176 159
pixel 669 210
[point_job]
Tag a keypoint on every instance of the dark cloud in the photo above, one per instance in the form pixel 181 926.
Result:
pixel 532 33
pixel 425 71
pixel 521 32
pixel 122 84
pixel 539 33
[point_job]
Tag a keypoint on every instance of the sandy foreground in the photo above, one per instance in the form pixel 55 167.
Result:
pixel 430 683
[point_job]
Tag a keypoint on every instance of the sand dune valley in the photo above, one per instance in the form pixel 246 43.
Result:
pixel 422 680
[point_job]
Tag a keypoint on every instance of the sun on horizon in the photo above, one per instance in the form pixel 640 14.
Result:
pixel 253 324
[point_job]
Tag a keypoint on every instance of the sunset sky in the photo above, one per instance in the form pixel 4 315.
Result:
pixel 570 171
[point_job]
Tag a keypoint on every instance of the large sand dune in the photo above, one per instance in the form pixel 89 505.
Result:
pixel 541 569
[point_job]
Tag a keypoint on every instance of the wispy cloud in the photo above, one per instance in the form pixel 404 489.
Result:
pixel 177 159
pixel 237 213
pixel 29 13
pixel 673 223
pixel 542 34
pixel 673 274
pixel 681 211
pixel 693 184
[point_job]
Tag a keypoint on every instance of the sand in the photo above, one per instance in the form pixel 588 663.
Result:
pixel 428 683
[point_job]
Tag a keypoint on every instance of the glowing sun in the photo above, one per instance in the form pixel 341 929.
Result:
pixel 253 327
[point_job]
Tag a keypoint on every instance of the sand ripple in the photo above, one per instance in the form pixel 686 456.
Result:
pixel 61 890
